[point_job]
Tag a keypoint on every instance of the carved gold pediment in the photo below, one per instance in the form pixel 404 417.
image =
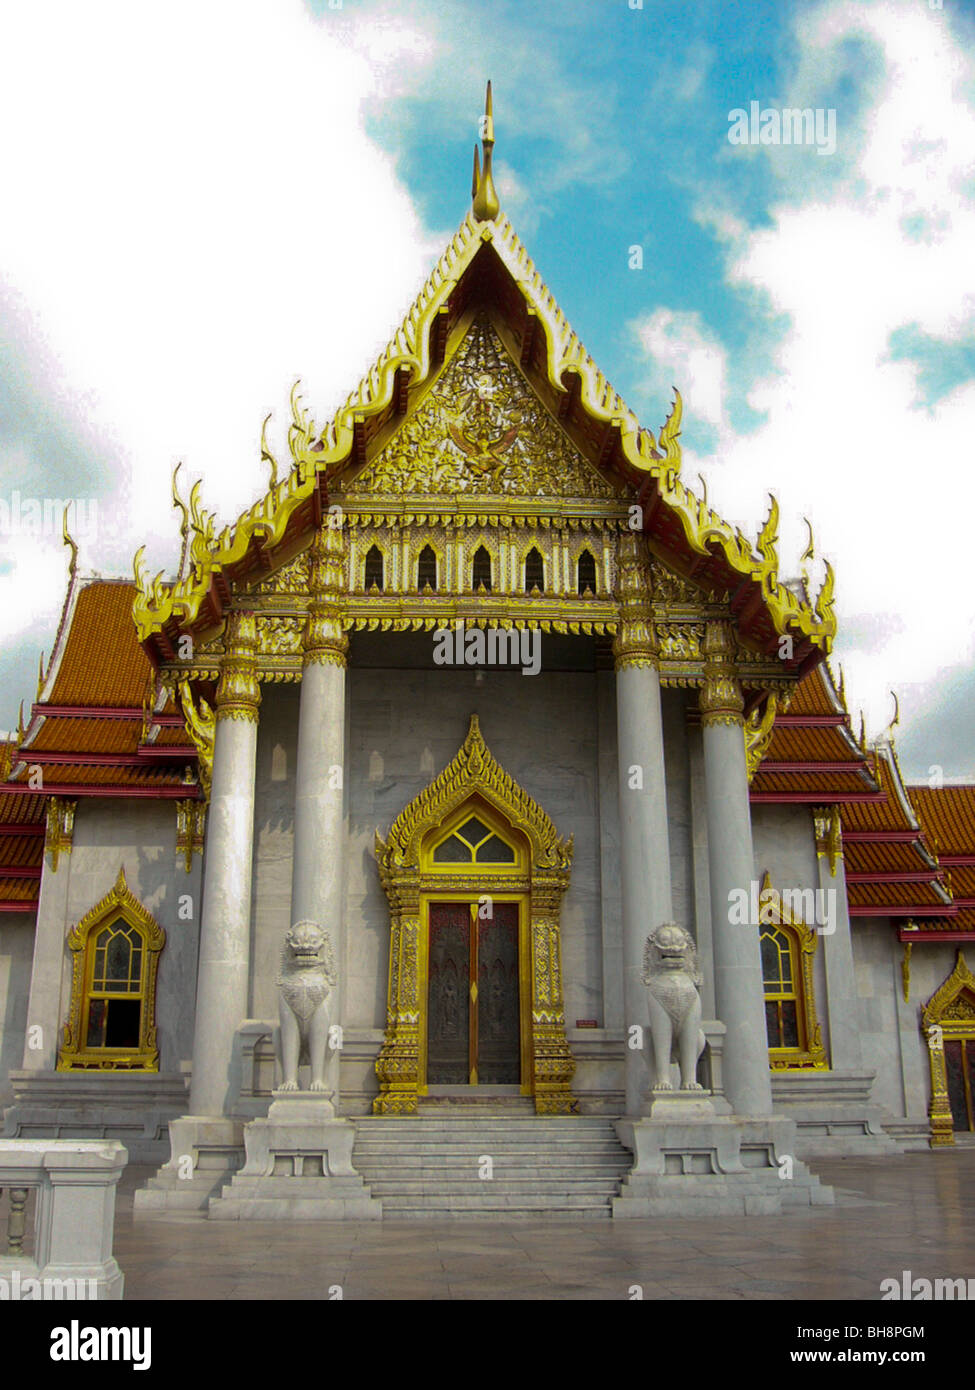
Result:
pixel 482 431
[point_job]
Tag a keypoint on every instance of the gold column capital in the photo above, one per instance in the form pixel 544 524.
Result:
pixel 324 641
pixel 635 643
pixel 239 692
pixel 721 700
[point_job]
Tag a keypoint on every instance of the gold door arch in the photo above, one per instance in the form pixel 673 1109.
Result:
pixel 407 873
pixel 948 1016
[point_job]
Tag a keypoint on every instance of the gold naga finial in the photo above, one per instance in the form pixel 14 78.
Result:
pixel 73 562
pixel 485 205
pixel 841 685
pixel 20 724
pixel 184 521
pixel 863 733
pixel 266 455
pixel 704 490
pixel 669 440
pixel 889 731
pixel 40 675
pixel 808 554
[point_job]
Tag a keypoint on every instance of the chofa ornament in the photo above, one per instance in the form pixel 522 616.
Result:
pixel 305 985
pixel 672 978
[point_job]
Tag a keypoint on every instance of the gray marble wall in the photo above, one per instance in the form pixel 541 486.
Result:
pixel 16 955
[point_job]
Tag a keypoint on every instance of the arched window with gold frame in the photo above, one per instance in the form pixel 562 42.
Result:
pixel 788 948
pixel 112 1017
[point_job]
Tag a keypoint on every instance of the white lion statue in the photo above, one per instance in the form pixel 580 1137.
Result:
pixel 304 987
pixel 672 978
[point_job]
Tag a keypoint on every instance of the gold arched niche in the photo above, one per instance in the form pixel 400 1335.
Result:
pixel 407 874
pixel 947 1016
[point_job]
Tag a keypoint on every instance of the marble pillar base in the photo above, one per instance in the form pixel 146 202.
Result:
pixel 205 1152
pixel 298 1167
pixel 690 1160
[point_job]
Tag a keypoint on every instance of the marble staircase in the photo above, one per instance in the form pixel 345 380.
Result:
pixel 432 1165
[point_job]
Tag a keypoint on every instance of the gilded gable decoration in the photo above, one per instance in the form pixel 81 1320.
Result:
pixel 481 430
pixel 948 1017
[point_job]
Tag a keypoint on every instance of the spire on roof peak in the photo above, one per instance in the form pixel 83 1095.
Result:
pixel 486 204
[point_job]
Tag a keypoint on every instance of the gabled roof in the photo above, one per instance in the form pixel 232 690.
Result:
pixel 486 264
pixel 947 816
pixel 95 729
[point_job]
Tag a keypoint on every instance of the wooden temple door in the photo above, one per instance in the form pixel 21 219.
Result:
pixel 473 999
pixel 960 1071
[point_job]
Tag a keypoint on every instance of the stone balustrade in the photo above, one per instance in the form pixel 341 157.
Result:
pixel 74 1183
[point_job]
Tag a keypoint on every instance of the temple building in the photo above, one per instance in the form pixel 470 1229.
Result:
pixel 482 687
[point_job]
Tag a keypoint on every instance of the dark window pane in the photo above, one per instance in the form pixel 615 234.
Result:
pixel 122 1029
pixel 772 1023
pixel 587 574
pixel 534 572
pixel 97 1013
pixel 426 570
pixel 790 1024
pixel 770 963
pixel 374 568
pixel 482 569
pixel 474 830
pixel 452 851
pixel 495 851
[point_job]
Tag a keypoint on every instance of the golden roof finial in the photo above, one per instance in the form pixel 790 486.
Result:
pixel 889 731
pixel 20 724
pixel 40 676
pixel 73 562
pixel 808 554
pixel 486 204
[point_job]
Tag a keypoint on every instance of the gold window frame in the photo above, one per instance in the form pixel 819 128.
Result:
pixel 117 905
pixel 810 1054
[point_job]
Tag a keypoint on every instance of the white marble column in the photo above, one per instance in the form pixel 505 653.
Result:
pixel 317 880
pixel 644 839
pixel 44 1016
pixel 224 961
pixel 738 987
pixel 841 996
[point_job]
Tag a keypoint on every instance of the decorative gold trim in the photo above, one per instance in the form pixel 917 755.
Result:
pixel 949 1013
pixel 191 819
pixel 200 724
pixel 759 729
pixel 811 1054
pixel 472 775
pixel 59 830
pixel 906 971
pixel 721 700
pixel 118 904
pixel 829 834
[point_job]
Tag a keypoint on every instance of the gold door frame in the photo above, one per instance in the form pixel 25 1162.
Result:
pixel 493 888
pixel 409 880
pixel 949 1014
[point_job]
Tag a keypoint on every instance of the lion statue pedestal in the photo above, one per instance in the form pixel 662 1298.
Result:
pixel 299 1159
pixel 691 1155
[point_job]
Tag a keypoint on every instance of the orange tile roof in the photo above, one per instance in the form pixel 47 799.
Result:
pixel 948 815
pixel 102 663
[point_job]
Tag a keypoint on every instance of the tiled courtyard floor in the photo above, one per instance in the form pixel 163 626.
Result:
pixel 914 1212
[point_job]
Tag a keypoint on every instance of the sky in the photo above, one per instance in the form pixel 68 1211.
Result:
pixel 204 201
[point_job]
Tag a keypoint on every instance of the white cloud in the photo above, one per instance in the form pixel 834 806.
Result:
pixel 680 350
pixel 888 483
pixel 195 215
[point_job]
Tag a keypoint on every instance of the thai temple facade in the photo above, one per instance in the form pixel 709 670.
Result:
pixel 483 688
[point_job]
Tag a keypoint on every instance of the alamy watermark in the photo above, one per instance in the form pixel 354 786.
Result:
pixel 766 907
pixel 791 126
pixel 24 1288
pixel 493 646
pixel 45 516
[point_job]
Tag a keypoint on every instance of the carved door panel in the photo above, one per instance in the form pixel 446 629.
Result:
pixel 960 1069
pixel 448 998
pixel 498 1032
pixel 473 998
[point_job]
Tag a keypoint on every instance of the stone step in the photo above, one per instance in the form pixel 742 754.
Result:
pixel 428 1163
pixel 409 1212
pixel 559 1188
pixel 451 1148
